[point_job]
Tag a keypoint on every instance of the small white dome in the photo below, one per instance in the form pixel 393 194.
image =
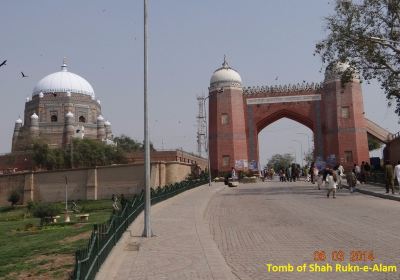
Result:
pixel 68 93
pixel 100 118
pixel 27 99
pixel 34 116
pixel 63 81
pixel 41 94
pixel 107 123
pixel 98 101
pixel 18 120
pixel 69 115
pixel 334 71
pixel 225 75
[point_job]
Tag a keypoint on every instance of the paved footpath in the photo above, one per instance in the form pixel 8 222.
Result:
pixel 281 223
pixel 183 247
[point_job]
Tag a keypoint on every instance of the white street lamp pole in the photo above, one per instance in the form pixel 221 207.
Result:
pixel 294 153
pixel 308 137
pixel 208 142
pixel 301 151
pixel 147 228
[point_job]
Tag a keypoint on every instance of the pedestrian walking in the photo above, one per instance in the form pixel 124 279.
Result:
pixel 331 183
pixel 397 173
pixel 351 181
pixel 319 179
pixel 311 172
pixel 389 177
pixel 357 171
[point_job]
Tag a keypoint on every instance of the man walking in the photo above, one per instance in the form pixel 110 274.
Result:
pixel 397 173
pixel 389 177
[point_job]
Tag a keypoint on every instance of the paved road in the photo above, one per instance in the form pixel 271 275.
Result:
pixel 183 248
pixel 282 223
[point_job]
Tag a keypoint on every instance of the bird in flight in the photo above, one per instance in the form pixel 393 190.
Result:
pixel 3 63
pixel 23 75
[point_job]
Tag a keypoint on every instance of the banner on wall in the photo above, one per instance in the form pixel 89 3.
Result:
pixel 241 164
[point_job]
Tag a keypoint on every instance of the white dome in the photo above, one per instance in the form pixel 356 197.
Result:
pixel 100 118
pixel 225 76
pixel 63 81
pixel 69 115
pixel 107 123
pixel 34 116
pixel 334 71
pixel 18 121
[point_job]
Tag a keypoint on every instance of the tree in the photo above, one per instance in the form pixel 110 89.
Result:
pixel 279 162
pixel 13 198
pixel 373 143
pixel 309 158
pixel 128 144
pixel 365 34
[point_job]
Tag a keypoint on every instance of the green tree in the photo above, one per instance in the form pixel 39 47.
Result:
pixel 279 161
pixel 365 34
pixel 373 143
pixel 128 144
pixel 309 158
pixel 40 154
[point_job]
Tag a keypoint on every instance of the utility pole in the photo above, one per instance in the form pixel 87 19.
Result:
pixel 147 226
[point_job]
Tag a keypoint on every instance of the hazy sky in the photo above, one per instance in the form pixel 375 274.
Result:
pixel 103 42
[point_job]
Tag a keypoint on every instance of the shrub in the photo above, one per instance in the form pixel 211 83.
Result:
pixel 44 210
pixel 14 197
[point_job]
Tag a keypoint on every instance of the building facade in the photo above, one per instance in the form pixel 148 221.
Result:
pixel 62 106
pixel 332 110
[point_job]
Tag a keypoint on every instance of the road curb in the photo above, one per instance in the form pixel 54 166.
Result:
pixel 381 195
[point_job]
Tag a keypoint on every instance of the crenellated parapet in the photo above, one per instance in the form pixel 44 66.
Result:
pixel 292 88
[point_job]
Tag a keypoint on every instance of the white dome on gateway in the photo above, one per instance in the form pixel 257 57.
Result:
pixel 225 76
pixel 63 81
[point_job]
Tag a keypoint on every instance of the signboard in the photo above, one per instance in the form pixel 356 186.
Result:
pixel 253 165
pixel 241 164
pixel 284 99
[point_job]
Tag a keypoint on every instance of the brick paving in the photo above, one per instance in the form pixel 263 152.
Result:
pixel 283 223
pixel 182 248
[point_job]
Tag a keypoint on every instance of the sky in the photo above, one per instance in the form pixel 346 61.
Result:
pixel 103 43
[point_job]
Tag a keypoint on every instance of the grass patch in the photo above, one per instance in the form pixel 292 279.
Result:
pixel 28 250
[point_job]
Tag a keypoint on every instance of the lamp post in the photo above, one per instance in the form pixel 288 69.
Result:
pixel 221 90
pixel 301 151
pixel 147 226
pixel 308 137
pixel 294 153
pixel 207 141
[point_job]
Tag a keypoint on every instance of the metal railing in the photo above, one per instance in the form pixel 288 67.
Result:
pixel 104 236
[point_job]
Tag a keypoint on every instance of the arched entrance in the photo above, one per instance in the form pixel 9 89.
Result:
pixel 334 112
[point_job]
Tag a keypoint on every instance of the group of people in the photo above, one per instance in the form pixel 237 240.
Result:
pixel 332 177
pixel 290 174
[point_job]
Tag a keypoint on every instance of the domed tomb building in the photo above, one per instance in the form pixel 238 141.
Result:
pixel 63 106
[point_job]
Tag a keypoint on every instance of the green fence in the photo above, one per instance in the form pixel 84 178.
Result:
pixel 105 236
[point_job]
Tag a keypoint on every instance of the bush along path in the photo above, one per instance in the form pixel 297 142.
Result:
pixel 105 236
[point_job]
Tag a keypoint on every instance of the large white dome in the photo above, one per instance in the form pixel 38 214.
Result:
pixel 225 76
pixel 63 81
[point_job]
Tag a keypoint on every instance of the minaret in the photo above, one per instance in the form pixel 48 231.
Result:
pixel 227 129
pixel 68 128
pixel 17 132
pixel 34 128
pixel 108 130
pixel 345 133
pixel 101 131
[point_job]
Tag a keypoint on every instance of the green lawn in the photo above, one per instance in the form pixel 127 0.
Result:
pixel 27 250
